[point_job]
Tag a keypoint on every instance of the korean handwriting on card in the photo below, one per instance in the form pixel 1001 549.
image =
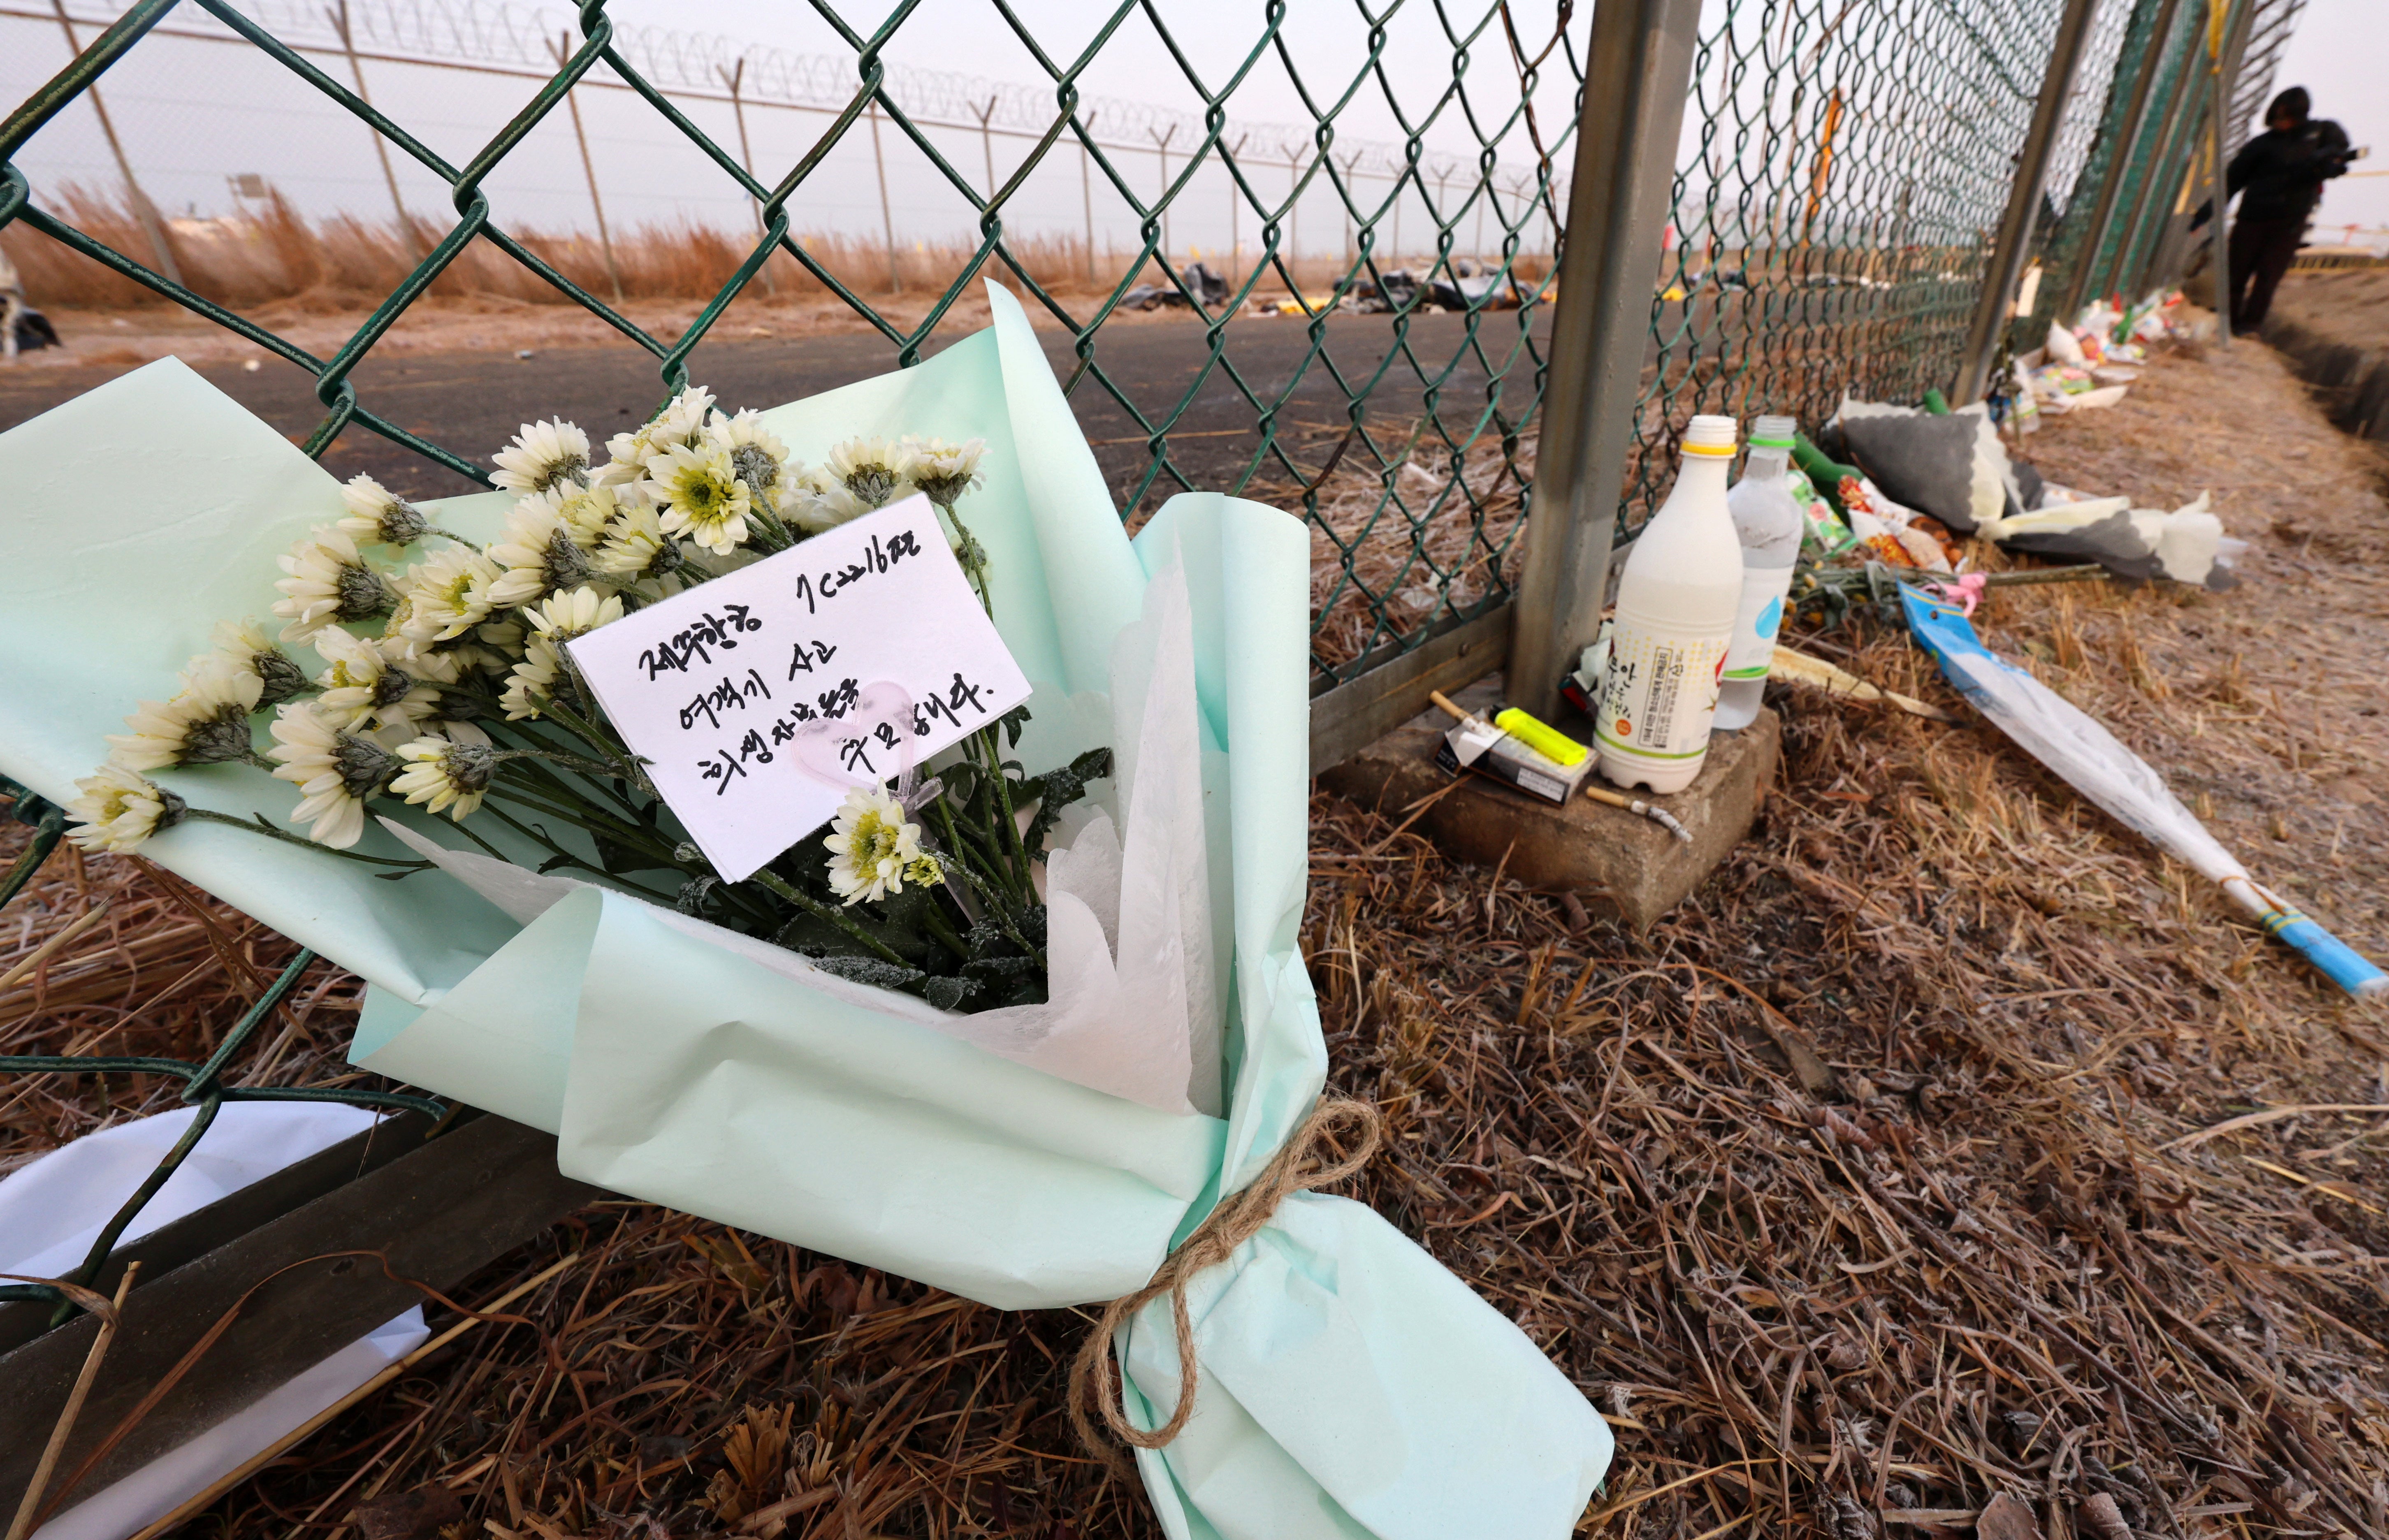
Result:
pixel 761 695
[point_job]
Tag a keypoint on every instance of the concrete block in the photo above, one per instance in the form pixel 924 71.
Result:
pixel 1612 859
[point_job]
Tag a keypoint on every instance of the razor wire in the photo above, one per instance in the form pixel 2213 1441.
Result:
pixel 2260 60
pixel 1833 217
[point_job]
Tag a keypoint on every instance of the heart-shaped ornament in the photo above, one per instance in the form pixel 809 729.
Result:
pixel 867 742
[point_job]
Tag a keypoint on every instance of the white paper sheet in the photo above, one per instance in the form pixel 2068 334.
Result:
pixel 761 698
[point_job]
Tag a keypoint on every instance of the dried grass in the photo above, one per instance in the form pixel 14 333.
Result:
pixel 343 262
pixel 1949 1257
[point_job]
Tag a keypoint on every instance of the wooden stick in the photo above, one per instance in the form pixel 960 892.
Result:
pixel 282 1446
pixel 91 1360
pixel 1445 701
pixel 1799 665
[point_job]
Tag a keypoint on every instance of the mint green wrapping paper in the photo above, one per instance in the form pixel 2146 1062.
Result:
pixel 1350 1386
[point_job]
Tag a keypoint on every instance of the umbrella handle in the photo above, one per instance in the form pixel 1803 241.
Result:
pixel 2338 962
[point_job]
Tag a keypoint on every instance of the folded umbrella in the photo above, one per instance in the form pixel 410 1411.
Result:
pixel 2088 758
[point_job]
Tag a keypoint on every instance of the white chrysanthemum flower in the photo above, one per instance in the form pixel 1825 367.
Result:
pixel 446 594
pixel 818 500
pixel 699 496
pixel 244 646
pixel 589 510
pixel 678 426
pixel 637 546
pixel 328 581
pixel 442 773
pixel 871 846
pixel 566 616
pixel 757 455
pixel 542 551
pixel 117 809
pixel 540 676
pixel 543 456
pixel 945 471
pixel 365 687
pixel 336 770
pixel 205 723
pixel 532 683
pixel 875 470
pixel 377 514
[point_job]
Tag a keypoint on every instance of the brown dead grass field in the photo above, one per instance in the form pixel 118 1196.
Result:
pixel 1870 1194
pixel 315 283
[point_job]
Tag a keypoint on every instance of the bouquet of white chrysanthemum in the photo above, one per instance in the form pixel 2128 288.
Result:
pixel 1032 1156
pixel 445 681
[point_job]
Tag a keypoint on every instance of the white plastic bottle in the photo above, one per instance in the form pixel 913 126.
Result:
pixel 1768 520
pixel 1676 605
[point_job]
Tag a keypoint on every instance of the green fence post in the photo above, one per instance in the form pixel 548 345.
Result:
pixel 1636 78
pixel 2118 164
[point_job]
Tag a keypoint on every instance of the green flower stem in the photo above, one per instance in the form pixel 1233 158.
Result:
pixel 934 921
pixel 566 858
pixel 592 820
pixel 536 771
pixel 262 827
pixel 607 786
pixel 449 534
pixel 569 761
pixel 595 737
pixel 1004 800
pixel 971 555
pixel 971 847
pixel 769 879
pixel 1002 914
pixel 770 524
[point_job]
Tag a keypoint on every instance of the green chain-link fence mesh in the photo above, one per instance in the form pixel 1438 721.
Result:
pixel 1834 216
pixel 1844 164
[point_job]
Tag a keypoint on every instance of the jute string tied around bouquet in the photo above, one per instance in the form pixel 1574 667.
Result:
pixel 1302 1163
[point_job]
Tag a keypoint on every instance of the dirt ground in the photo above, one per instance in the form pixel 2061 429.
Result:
pixel 1877 1187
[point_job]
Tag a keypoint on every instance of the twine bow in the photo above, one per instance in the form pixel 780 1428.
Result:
pixel 1301 1164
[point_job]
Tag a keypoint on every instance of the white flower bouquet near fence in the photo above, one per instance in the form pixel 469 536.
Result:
pixel 990 980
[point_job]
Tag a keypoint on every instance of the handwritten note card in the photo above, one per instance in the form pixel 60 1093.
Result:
pixel 761 697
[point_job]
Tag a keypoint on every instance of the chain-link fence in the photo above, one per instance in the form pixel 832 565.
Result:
pixel 1833 221
pixel 1840 185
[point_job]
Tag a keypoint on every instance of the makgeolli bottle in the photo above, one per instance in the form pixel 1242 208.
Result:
pixel 1768 520
pixel 1675 603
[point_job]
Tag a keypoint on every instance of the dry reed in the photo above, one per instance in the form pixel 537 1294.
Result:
pixel 342 262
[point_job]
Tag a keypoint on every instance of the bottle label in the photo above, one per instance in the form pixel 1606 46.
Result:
pixel 1659 694
pixel 1753 652
pixel 1824 529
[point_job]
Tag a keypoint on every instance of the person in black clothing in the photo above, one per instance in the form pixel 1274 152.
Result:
pixel 2279 173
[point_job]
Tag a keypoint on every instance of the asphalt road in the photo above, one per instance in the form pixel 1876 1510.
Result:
pixel 473 401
